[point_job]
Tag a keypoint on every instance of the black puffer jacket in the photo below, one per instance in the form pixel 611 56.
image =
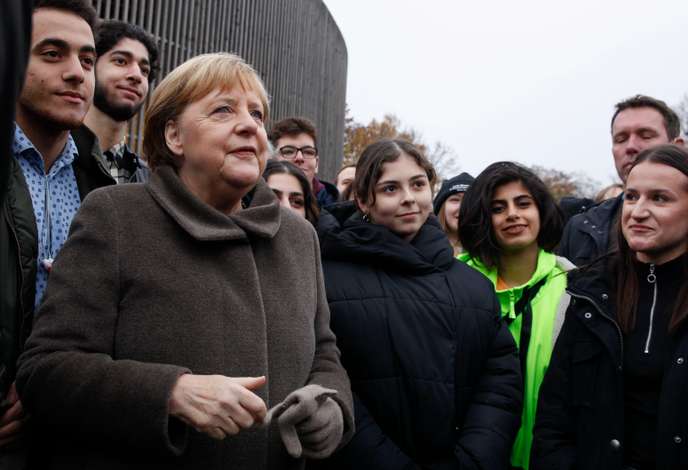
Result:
pixel 434 372
pixel 580 415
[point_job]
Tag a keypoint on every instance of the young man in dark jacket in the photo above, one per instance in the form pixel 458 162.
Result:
pixel 639 122
pixel 43 186
pixel 127 63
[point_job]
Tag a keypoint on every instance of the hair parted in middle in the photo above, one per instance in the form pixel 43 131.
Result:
pixel 475 216
pixel 624 265
pixel 188 83
pixel 282 167
pixel 371 162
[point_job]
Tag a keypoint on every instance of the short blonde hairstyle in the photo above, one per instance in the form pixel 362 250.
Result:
pixel 188 83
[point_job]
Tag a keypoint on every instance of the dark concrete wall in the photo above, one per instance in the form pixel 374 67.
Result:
pixel 295 45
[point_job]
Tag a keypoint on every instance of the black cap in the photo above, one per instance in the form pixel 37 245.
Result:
pixel 457 184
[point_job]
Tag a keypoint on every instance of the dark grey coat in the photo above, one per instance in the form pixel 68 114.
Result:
pixel 153 283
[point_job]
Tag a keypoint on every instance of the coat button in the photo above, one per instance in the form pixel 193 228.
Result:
pixel 680 361
pixel 605 296
pixel 588 315
pixel 615 444
pixel 677 439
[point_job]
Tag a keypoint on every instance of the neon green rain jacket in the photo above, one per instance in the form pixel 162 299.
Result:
pixel 548 307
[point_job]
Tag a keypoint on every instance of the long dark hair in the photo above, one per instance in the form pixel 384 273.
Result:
pixel 282 167
pixel 624 264
pixel 475 216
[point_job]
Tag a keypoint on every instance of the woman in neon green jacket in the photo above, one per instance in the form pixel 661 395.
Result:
pixel 509 223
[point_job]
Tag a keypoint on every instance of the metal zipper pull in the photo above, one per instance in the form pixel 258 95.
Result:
pixel 652 278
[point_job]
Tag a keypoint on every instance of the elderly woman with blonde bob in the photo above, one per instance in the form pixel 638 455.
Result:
pixel 178 313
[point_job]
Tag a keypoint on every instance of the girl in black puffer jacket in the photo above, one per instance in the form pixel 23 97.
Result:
pixel 435 373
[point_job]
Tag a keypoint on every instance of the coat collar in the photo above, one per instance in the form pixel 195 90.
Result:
pixel 261 218
pixel 346 236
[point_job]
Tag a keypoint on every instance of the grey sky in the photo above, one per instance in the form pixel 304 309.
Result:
pixel 533 81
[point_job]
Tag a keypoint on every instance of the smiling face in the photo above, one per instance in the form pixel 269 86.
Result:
pixel 288 191
pixel 403 198
pixel 122 79
pixel 654 218
pixel 221 144
pixel 58 89
pixel 515 217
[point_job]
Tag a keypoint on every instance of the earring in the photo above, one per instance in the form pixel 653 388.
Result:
pixel 366 217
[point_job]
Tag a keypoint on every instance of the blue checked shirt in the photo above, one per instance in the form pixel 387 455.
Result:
pixel 55 198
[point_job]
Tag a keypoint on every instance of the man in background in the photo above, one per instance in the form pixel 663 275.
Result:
pixel 126 65
pixel 295 140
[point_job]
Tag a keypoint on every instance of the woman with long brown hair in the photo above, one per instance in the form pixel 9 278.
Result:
pixel 614 394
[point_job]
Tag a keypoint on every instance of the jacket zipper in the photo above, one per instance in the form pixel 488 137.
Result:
pixel 652 279
pixel 604 315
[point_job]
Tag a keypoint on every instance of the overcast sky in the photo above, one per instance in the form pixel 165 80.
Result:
pixel 533 81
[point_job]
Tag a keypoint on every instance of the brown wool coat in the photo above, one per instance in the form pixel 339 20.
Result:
pixel 151 284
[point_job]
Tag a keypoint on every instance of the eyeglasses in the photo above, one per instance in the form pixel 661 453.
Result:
pixel 289 152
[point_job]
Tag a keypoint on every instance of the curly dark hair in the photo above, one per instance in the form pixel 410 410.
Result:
pixel 110 32
pixel 475 216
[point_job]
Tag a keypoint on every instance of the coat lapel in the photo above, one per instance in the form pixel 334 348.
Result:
pixel 205 223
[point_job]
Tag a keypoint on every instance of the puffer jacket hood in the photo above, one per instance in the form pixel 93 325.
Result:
pixel 345 236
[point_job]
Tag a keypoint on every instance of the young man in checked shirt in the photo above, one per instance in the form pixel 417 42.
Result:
pixel 127 62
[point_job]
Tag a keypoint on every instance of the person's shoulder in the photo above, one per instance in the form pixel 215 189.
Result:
pixel 471 286
pixel 328 194
pixel 122 193
pixel 598 213
pixel 294 225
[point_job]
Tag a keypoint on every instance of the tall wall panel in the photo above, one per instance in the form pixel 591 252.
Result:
pixel 295 45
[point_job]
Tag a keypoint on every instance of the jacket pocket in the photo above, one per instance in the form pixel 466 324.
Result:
pixel 585 362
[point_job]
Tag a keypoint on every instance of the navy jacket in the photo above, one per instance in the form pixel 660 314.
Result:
pixel 586 236
pixel 434 371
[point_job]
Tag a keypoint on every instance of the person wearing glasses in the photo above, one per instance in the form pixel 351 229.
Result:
pixel 295 140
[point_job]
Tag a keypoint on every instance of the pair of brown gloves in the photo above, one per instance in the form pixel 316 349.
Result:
pixel 310 422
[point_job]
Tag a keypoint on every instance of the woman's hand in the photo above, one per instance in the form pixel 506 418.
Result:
pixel 217 405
